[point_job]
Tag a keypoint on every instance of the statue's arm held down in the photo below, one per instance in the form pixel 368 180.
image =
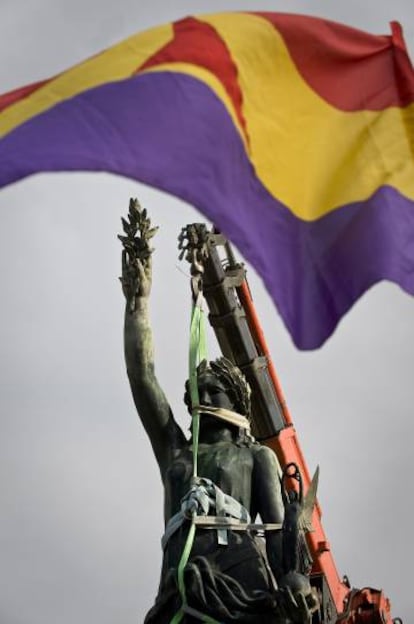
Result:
pixel 269 504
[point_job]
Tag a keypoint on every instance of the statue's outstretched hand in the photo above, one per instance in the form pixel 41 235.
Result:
pixel 136 254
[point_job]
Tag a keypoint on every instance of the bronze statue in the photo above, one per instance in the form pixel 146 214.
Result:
pixel 231 574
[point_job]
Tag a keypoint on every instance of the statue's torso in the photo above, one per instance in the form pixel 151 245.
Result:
pixel 227 465
pixel 241 561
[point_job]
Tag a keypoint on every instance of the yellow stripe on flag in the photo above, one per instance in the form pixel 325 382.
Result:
pixel 346 156
pixel 116 63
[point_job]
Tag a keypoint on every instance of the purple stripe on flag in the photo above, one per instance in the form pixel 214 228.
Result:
pixel 324 266
pixel 171 131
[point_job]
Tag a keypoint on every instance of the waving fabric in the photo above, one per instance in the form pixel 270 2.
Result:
pixel 293 134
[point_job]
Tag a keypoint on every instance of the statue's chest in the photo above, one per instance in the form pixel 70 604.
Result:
pixel 228 466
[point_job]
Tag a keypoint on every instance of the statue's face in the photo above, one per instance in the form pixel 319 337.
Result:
pixel 212 393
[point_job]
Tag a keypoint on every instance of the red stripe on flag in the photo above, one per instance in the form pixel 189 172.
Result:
pixel 7 99
pixel 349 68
pixel 198 43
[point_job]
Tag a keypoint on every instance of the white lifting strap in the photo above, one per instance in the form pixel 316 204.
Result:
pixel 203 497
pixel 227 415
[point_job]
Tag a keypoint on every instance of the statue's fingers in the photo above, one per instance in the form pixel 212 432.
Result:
pixel 303 605
pixel 140 269
pixel 148 267
pixel 125 288
pixel 313 602
pixel 291 597
pixel 135 291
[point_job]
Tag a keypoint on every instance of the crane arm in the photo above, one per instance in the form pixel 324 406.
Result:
pixel 234 319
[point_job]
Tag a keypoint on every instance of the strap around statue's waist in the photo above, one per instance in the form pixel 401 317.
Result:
pixel 205 496
pixel 219 522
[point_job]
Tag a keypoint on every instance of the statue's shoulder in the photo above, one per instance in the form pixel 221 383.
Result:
pixel 261 450
pixel 264 455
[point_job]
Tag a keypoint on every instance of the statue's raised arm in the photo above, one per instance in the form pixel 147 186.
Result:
pixel 151 403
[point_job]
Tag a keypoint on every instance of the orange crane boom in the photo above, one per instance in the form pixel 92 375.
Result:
pixel 234 319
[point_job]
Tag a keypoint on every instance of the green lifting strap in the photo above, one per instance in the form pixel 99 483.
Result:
pixel 197 353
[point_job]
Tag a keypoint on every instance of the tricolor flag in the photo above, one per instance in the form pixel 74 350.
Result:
pixel 293 134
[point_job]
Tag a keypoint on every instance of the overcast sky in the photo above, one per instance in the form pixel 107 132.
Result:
pixel 80 515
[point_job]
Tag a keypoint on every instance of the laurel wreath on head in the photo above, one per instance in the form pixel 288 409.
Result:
pixel 233 380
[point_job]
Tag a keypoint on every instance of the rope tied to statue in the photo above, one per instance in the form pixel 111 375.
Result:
pixel 197 352
pixel 213 509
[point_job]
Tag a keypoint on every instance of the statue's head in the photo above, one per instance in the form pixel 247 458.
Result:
pixel 221 384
